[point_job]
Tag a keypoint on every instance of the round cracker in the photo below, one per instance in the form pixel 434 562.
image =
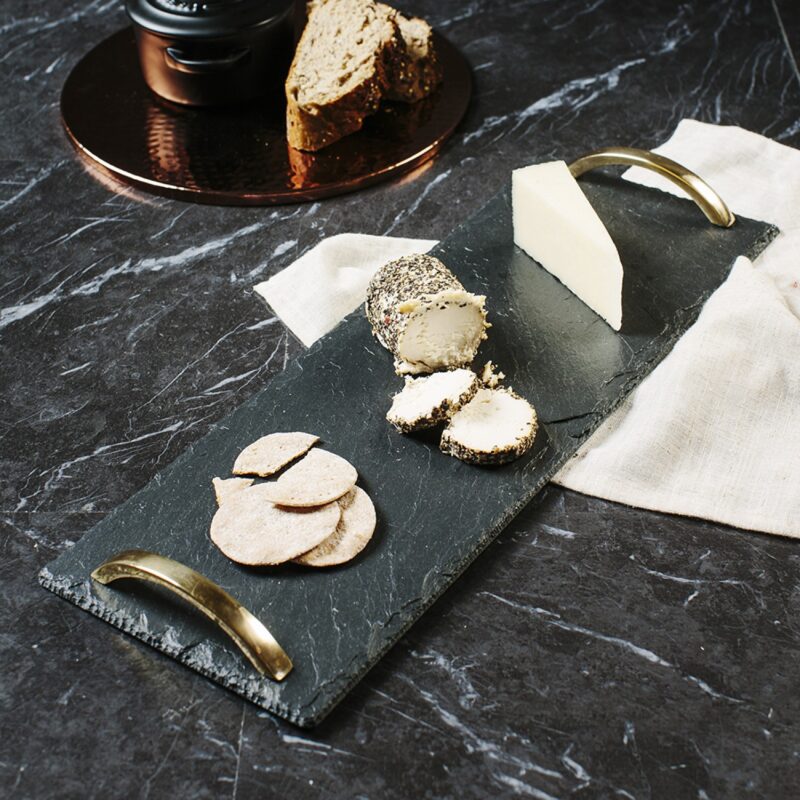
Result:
pixel 354 530
pixel 249 529
pixel 225 488
pixel 265 456
pixel 321 477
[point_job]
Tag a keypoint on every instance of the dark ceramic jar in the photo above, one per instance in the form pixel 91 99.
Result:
pixel 213 52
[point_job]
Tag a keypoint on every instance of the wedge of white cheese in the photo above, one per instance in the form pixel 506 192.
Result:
pixel 555 224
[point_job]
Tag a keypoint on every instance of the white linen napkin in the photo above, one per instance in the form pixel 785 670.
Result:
pixel 714 430
pixel 318 290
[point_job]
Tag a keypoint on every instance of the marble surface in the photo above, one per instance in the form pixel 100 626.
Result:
pixel 593 650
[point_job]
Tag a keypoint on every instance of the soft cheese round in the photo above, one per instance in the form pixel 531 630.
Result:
pixel 426 401
pixel 495 427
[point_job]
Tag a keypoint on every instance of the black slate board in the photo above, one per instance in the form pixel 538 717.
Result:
pixel 435 514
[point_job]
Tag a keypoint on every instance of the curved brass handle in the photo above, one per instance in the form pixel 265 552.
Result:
pixel 711 204
pixel 252 637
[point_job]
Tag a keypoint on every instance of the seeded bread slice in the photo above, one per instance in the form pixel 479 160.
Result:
pixel 340 70
pixel 416 72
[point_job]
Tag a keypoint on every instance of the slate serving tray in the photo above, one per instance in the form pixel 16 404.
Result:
pixel 435 514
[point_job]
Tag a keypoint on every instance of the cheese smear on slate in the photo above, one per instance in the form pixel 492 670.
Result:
pixel 555 224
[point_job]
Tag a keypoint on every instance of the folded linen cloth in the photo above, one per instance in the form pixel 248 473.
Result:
pixel 714 430
pixel 318 290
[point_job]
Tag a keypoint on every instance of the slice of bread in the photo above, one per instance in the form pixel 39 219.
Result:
pixel 416 72
pixel 340 70
pixel 352 54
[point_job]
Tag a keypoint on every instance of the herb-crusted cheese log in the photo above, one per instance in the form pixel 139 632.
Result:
pixel 340 70
pixel 495 427
pixel 421 313
pixel 431 399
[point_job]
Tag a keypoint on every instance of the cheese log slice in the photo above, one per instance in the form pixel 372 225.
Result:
pixel 495 427
pixel 421 313
pixel 431 399
pixel 555 224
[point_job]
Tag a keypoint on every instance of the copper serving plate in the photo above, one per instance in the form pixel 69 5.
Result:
pixel 239 155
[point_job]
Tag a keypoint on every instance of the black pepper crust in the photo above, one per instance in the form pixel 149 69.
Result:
pixel 400 281
pixel 437 414
pixel 496 456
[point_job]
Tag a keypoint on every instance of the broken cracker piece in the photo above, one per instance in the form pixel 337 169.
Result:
pixel 225 488
pixel 319 478
pixel 267 455
pixel 249 529
pixel 351 536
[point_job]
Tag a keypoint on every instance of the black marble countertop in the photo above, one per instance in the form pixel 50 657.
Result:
pixel 594 650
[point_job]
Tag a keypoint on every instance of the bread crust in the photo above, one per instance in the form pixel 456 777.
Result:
pixel 316 126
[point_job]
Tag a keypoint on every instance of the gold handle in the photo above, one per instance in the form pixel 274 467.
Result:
pixel 252 637
pixel 711 204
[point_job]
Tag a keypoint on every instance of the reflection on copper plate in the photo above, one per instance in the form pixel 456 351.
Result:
pixel 238 155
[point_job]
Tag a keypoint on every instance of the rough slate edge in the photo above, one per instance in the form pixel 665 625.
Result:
pixel 199 657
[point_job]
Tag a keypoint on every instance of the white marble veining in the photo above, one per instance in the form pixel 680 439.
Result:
pixel 591 651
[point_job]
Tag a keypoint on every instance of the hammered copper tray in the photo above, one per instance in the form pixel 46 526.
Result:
pixel 238 155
